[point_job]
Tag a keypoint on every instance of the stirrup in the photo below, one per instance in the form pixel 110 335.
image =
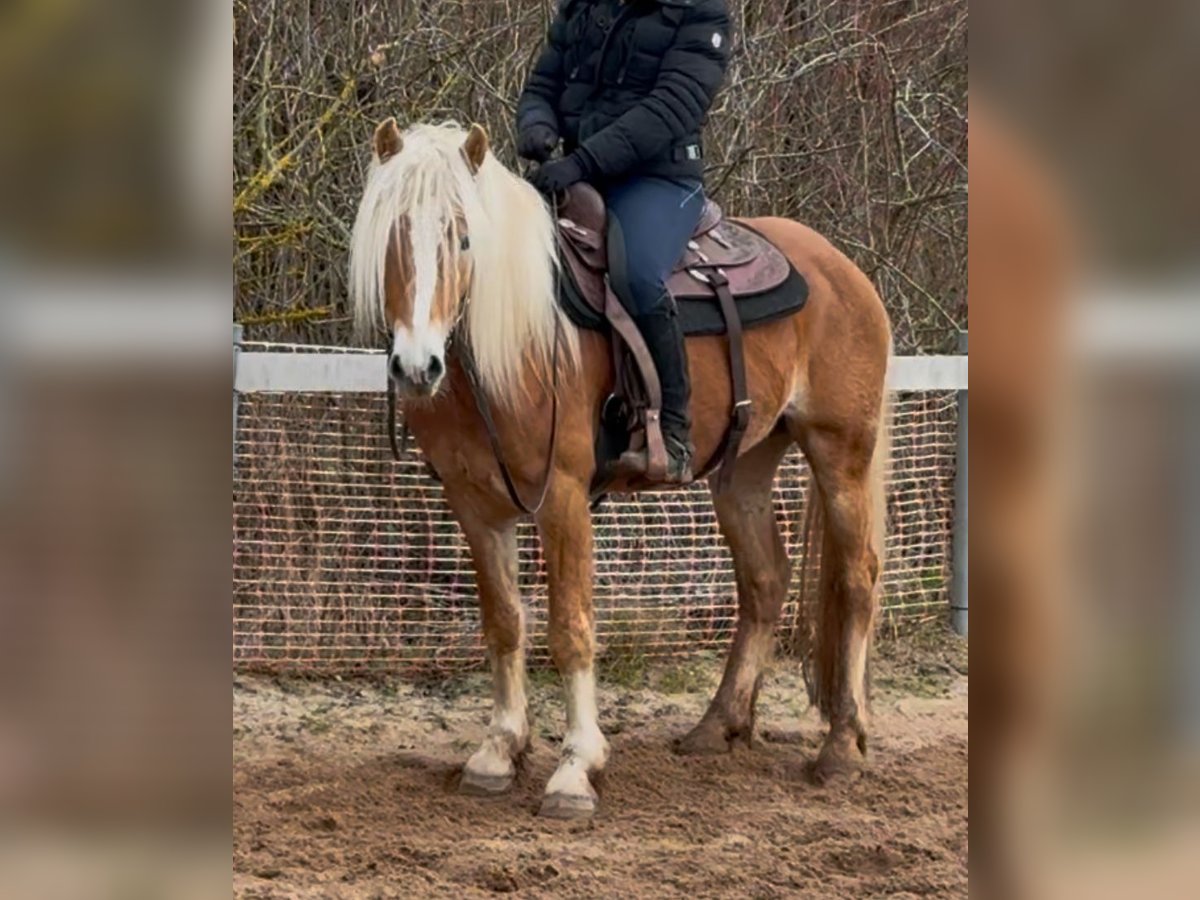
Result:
pixel 679 464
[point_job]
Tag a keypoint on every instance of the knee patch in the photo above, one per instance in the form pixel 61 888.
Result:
pixel 639 292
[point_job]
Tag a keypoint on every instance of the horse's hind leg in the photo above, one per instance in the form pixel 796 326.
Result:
pixel 842 465
pixel 565 525
pixel 491 769
pixel 746 515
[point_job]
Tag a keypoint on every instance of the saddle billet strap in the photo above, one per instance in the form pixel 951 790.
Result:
pixel 739 419
pixel 485 412
pixel 621 383
pixel 626 329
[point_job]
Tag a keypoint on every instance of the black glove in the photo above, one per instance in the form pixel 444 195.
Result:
pixel 557 175
pixel 537 142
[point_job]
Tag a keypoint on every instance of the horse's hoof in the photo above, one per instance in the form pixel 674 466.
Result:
pixel 568 806
pixel 836 763
pixel 709 739
pixel 475 784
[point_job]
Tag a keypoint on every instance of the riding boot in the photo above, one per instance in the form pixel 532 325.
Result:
pixel 664 339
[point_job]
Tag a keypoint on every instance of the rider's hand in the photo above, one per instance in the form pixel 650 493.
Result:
pixel 557 175
pixel 537 142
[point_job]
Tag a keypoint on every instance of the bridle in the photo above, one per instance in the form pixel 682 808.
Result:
pixel 459 342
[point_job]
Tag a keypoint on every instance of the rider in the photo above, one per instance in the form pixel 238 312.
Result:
pixel 626 85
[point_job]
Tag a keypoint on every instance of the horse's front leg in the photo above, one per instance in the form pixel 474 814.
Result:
pixel 565 525
pixel 492 767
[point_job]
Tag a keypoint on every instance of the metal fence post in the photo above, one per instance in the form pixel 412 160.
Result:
pixel 1186 678
pixel 237 349
pixel 958 557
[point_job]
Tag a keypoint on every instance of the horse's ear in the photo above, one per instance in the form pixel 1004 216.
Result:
pixel 387 141
pixel 475 147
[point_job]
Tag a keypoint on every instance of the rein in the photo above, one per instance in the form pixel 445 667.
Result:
pixel 397 448
pixel 485 411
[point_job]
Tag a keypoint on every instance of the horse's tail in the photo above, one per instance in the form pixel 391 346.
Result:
pixel 878 486
pixel 820 613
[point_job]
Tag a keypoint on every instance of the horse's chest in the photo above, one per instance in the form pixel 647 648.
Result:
pixel 444 439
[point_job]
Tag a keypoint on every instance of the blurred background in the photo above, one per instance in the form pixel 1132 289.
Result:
pixel 119 155
pixel 1085 239
pixel 114 448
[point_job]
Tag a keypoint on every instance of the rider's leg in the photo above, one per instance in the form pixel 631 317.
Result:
pixel 650 222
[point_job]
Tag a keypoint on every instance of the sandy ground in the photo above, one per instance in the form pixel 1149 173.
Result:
pixel 347 789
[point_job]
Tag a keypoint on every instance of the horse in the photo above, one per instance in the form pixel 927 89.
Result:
pixel 453 256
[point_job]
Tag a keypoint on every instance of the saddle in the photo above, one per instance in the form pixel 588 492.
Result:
pixel 729 278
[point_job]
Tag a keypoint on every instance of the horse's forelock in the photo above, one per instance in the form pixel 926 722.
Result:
pixel 512 313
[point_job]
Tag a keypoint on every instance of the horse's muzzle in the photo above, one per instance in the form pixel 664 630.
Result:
pixel 420 382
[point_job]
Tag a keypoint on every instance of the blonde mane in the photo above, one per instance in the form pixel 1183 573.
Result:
pixel 512 312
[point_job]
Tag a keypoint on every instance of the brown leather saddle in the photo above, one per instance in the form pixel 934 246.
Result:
pixel 725 262
pixel 751 263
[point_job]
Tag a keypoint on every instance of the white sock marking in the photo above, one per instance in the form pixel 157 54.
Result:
pixel 508 732
pixel 584 748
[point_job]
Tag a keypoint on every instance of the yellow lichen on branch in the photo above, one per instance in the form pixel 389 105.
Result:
pixel 285 316
pixel 261 180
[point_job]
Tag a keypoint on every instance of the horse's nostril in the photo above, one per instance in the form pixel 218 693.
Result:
pixel 415 377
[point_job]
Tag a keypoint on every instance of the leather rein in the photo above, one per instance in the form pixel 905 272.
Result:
pixel 484 408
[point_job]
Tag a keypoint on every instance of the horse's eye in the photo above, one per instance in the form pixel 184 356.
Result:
pixel 464 243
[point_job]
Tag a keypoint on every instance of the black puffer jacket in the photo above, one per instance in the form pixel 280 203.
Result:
pixel 627 85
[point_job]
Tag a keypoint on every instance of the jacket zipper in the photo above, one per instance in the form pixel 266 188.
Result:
pixel 618 19
pixel 625 65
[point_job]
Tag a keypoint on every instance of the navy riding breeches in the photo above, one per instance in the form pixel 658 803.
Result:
pixel 654 219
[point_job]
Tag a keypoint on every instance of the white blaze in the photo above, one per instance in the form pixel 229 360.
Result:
pixel 415 346
pixel 425 240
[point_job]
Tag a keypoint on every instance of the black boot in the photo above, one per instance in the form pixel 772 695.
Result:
pixel 664 338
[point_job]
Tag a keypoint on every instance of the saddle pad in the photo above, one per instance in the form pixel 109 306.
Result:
pixel 699 315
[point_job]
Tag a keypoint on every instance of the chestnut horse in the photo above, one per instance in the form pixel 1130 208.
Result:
pixel 452 253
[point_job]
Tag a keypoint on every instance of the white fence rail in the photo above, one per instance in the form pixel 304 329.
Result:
pixel 363 372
